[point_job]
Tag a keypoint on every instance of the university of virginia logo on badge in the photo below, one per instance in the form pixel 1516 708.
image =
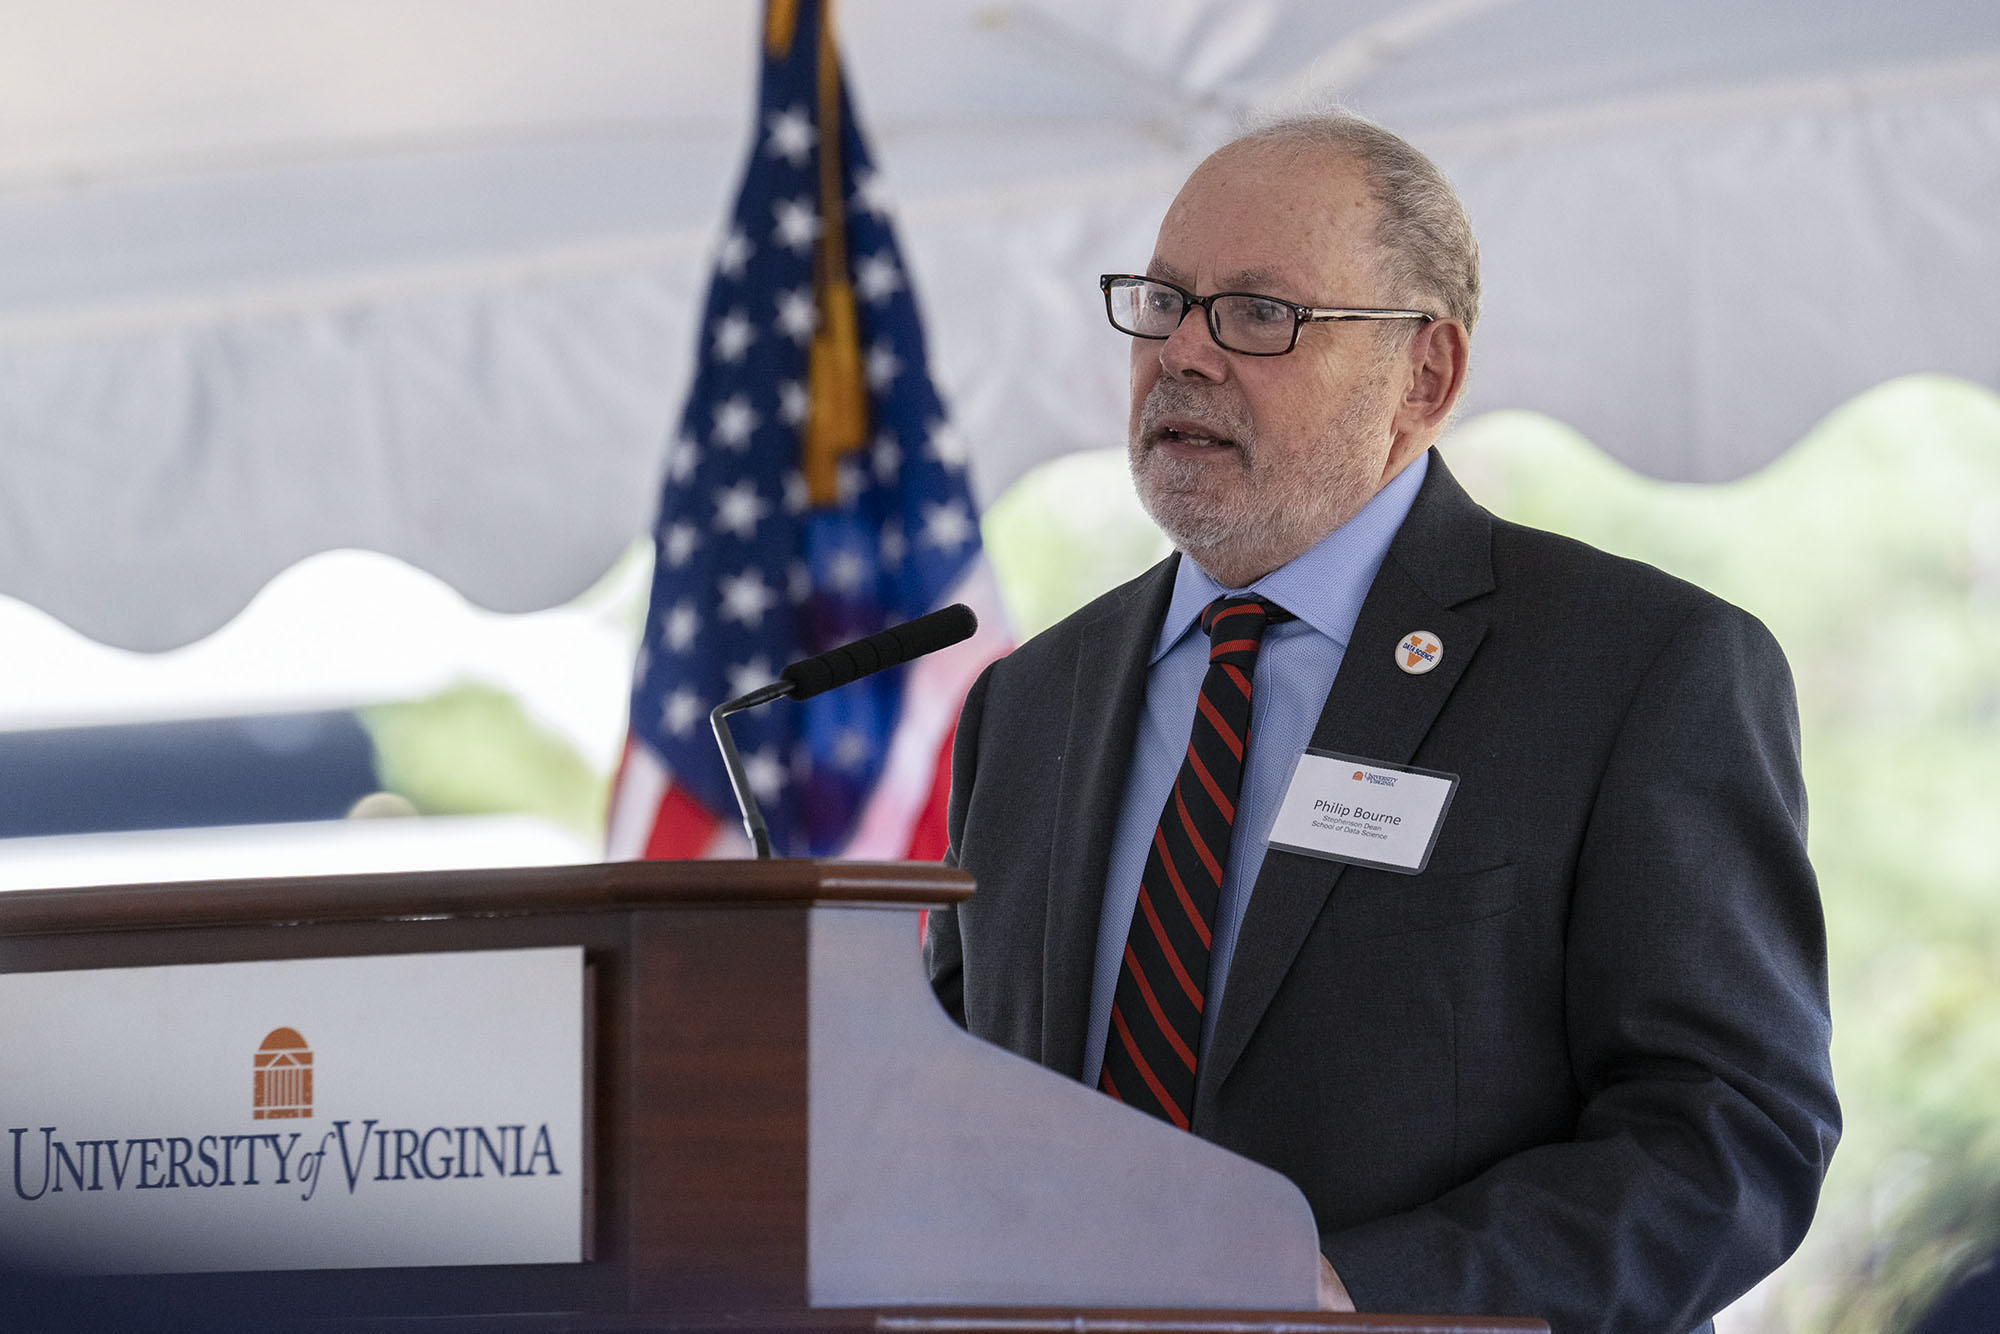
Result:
pixel 283 1082
pixel 1419 651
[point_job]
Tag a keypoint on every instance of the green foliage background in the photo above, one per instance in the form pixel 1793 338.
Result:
pixel 473 750
pixel 1872 550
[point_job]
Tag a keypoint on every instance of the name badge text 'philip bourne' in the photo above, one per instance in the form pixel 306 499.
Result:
pixel 1363 812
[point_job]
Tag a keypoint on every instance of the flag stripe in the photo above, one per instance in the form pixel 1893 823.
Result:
pixel 683 828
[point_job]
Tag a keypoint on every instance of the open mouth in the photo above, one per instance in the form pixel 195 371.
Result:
pixel 1191 437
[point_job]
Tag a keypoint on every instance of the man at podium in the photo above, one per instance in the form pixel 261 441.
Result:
pixel 1453 869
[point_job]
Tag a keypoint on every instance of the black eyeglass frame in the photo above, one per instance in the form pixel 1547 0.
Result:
pixel 1301 315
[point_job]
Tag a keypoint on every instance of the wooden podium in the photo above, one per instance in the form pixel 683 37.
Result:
pixel 783 1129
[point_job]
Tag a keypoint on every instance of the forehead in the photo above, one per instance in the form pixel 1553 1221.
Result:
pixel 1293 220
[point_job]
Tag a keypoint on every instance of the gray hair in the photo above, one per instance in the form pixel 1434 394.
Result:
pixel 1427 246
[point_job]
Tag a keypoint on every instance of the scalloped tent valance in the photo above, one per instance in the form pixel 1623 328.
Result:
pixel 420 276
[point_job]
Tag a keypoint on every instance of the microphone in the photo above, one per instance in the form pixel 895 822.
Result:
pixel 884 649
pixel 836 667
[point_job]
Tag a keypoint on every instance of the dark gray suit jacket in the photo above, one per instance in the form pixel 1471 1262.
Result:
pixel 1577 1068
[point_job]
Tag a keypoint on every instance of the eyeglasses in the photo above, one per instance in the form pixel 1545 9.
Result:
pixel 1256 326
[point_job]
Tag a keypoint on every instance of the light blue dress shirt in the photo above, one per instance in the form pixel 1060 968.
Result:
pixel 1324 588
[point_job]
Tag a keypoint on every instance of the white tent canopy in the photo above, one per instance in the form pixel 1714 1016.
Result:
pixel 421 276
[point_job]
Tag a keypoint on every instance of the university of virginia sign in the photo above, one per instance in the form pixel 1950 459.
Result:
pixel 153 1124
pixel 168 1162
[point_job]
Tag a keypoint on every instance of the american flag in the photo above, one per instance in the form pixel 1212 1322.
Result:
pixel 815 493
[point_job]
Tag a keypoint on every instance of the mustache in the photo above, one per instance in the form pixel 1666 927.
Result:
pixel 1216 409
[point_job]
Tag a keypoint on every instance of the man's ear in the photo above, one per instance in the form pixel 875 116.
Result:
pixel 1435 365
pixel 1438 357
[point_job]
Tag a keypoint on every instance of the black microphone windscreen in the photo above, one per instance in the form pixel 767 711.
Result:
pixel 887 648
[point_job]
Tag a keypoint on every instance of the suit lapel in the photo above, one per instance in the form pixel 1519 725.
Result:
pixel 1441 557
pixel 1107 693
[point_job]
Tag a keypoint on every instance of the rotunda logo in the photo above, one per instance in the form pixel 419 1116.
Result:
pixel 283 1082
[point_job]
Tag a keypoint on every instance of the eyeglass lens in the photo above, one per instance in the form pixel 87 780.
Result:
pixel 1241 322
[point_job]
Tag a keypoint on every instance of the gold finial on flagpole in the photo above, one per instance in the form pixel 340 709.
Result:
pixel 781 21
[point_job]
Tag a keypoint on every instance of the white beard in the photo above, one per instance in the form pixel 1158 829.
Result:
pixel 1273 519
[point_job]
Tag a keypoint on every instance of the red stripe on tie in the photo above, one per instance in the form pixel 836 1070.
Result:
pixel 1232 646
pixel 1236 675
pixel 1159 1016
pixel 1104 1082
pixel 1222 803
pixel 1200 848
pixel 1236 610
pixel 1167 1104
pixel 1172 956
pixel 1180 890
pixel 1222 728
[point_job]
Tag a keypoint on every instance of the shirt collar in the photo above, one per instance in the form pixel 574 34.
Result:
pixel 1326 585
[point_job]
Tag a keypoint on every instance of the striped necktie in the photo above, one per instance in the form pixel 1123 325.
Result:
pixel 1150 1052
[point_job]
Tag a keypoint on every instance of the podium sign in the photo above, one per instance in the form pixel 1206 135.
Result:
pixel 381 1111
pixel 692 1096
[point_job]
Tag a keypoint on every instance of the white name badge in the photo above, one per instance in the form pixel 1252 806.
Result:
pixel 1363 812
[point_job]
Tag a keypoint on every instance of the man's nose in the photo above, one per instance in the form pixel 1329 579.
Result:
pixel 1191 350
